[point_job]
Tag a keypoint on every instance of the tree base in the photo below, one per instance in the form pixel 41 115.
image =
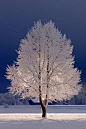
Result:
pixel 43 112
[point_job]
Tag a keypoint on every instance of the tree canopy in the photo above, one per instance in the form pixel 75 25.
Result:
pixel 45 65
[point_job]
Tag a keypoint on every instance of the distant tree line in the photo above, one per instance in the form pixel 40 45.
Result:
pixel 8 98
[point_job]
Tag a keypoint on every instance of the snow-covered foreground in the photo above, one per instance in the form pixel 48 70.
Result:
pixel 71 118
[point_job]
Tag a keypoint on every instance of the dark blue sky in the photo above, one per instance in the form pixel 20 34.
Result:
pixel 17 16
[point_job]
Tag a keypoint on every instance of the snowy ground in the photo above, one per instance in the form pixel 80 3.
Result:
pixel 29 117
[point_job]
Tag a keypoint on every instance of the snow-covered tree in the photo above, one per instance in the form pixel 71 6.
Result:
pixel 45 66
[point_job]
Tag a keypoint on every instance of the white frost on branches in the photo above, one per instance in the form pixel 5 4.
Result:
pixel 45 65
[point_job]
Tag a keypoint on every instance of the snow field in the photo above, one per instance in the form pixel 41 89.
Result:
pixel 34 121
pixel 20 117
pixel 53 116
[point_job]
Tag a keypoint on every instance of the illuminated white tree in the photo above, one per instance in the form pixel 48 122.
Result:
pixel 45 66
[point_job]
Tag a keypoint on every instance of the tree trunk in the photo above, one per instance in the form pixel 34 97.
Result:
pixel 44 111
pixel 43 107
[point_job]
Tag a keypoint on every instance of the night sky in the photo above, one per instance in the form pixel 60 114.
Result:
pixel 17 16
